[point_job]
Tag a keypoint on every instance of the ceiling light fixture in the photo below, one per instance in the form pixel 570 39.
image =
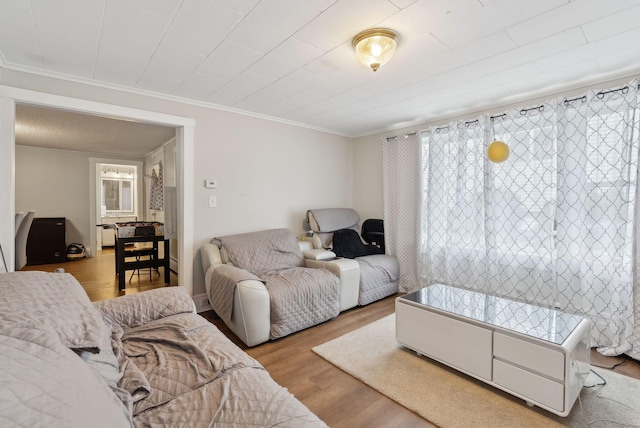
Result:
pixel 375 46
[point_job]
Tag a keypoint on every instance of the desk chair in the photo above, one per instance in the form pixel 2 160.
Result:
pixel 138 253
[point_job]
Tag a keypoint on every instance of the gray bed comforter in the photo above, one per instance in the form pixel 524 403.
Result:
pixel 197 377
pixel 48 327
pixel 142 360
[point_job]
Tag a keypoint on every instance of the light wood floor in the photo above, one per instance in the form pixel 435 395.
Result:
pixel 98 277
pixel 336 397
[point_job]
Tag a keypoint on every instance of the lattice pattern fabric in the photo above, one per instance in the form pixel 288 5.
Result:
pixel 400 174
pixel 554 225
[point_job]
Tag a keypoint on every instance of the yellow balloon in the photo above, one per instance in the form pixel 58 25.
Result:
pixel 498 151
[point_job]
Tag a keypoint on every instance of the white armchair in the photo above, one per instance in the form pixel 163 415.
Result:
pixel 240 284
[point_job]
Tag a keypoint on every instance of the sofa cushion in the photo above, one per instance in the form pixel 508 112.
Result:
pixel 57 303
pixel 263 251
pixel 44 383
pixel 137 309
pixel 53 299
pixel 301 298
pixel 379 274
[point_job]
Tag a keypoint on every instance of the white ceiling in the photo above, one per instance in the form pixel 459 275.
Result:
pixel 293 59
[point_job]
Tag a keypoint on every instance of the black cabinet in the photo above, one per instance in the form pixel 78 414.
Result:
pixel 47 241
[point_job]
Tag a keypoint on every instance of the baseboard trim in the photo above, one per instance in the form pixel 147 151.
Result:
pixel 202 303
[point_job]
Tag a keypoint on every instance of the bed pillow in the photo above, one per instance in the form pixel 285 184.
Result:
pixel 57 300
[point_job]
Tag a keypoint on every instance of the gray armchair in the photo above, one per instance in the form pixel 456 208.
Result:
pixel 379 273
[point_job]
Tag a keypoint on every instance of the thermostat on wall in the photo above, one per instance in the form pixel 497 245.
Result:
pixel 211 184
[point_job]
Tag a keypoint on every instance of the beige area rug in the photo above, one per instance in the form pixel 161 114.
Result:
pixel 448 398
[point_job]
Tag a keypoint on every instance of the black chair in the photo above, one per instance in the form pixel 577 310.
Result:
pixel 138 253
pixel 372 231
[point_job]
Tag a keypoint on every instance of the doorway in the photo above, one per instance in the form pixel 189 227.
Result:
pixel 184 156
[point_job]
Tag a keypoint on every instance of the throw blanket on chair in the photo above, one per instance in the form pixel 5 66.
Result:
pixel 300 297
pixel 324 222
pixel 297 300
pixel 223 283
pixel 332 219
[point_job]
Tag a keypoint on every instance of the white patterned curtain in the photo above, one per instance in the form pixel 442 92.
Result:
pixel 401 183
pixel 554 225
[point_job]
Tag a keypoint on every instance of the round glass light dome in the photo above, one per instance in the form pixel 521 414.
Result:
pixel 375 46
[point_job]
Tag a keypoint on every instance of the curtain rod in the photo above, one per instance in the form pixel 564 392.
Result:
pixel 524 111
pixel 624 90
pixel 582 98
pixel 405 135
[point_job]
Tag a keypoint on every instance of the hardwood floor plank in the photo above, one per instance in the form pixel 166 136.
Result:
pixel 98 277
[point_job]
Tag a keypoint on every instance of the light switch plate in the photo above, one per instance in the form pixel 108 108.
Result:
pixel 213 201
pixel 211 184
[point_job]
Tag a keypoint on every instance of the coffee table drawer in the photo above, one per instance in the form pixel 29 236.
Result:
pixel 529 355
pixel 461 345
pixel 530 385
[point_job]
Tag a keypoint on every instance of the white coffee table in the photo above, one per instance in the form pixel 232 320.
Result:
pixel 540 355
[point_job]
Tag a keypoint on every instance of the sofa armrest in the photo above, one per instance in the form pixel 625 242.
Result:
pixel 251 318
pixel 250 315
pixel 210 256
pixel 137 309
pixel 319 254
pixel 349 273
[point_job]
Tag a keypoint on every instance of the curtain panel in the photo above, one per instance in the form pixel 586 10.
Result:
pixel 554 225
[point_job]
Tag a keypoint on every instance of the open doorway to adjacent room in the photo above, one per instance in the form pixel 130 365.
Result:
pixel 50 155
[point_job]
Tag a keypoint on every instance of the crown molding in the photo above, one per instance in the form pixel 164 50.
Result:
pixel 157 95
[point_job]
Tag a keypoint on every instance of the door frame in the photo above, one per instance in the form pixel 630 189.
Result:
pixel 9 96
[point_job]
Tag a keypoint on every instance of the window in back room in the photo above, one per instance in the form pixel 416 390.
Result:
pixel 118 190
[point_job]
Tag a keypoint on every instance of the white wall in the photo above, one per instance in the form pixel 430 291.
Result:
pixel 55 183
pixel 269 173
pixel 367 177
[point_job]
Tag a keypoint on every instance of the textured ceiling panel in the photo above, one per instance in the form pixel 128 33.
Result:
pixel 57 129
pixel 293 59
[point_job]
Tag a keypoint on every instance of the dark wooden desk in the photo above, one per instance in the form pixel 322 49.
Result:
pixel 122 265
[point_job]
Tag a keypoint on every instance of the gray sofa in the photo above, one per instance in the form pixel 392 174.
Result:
pixel 140 360
pixel 265 285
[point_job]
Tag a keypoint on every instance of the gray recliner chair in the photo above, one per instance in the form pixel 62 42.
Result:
pixel 379 273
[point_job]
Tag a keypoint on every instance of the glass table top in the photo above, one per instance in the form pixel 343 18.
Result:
pixel 542 323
